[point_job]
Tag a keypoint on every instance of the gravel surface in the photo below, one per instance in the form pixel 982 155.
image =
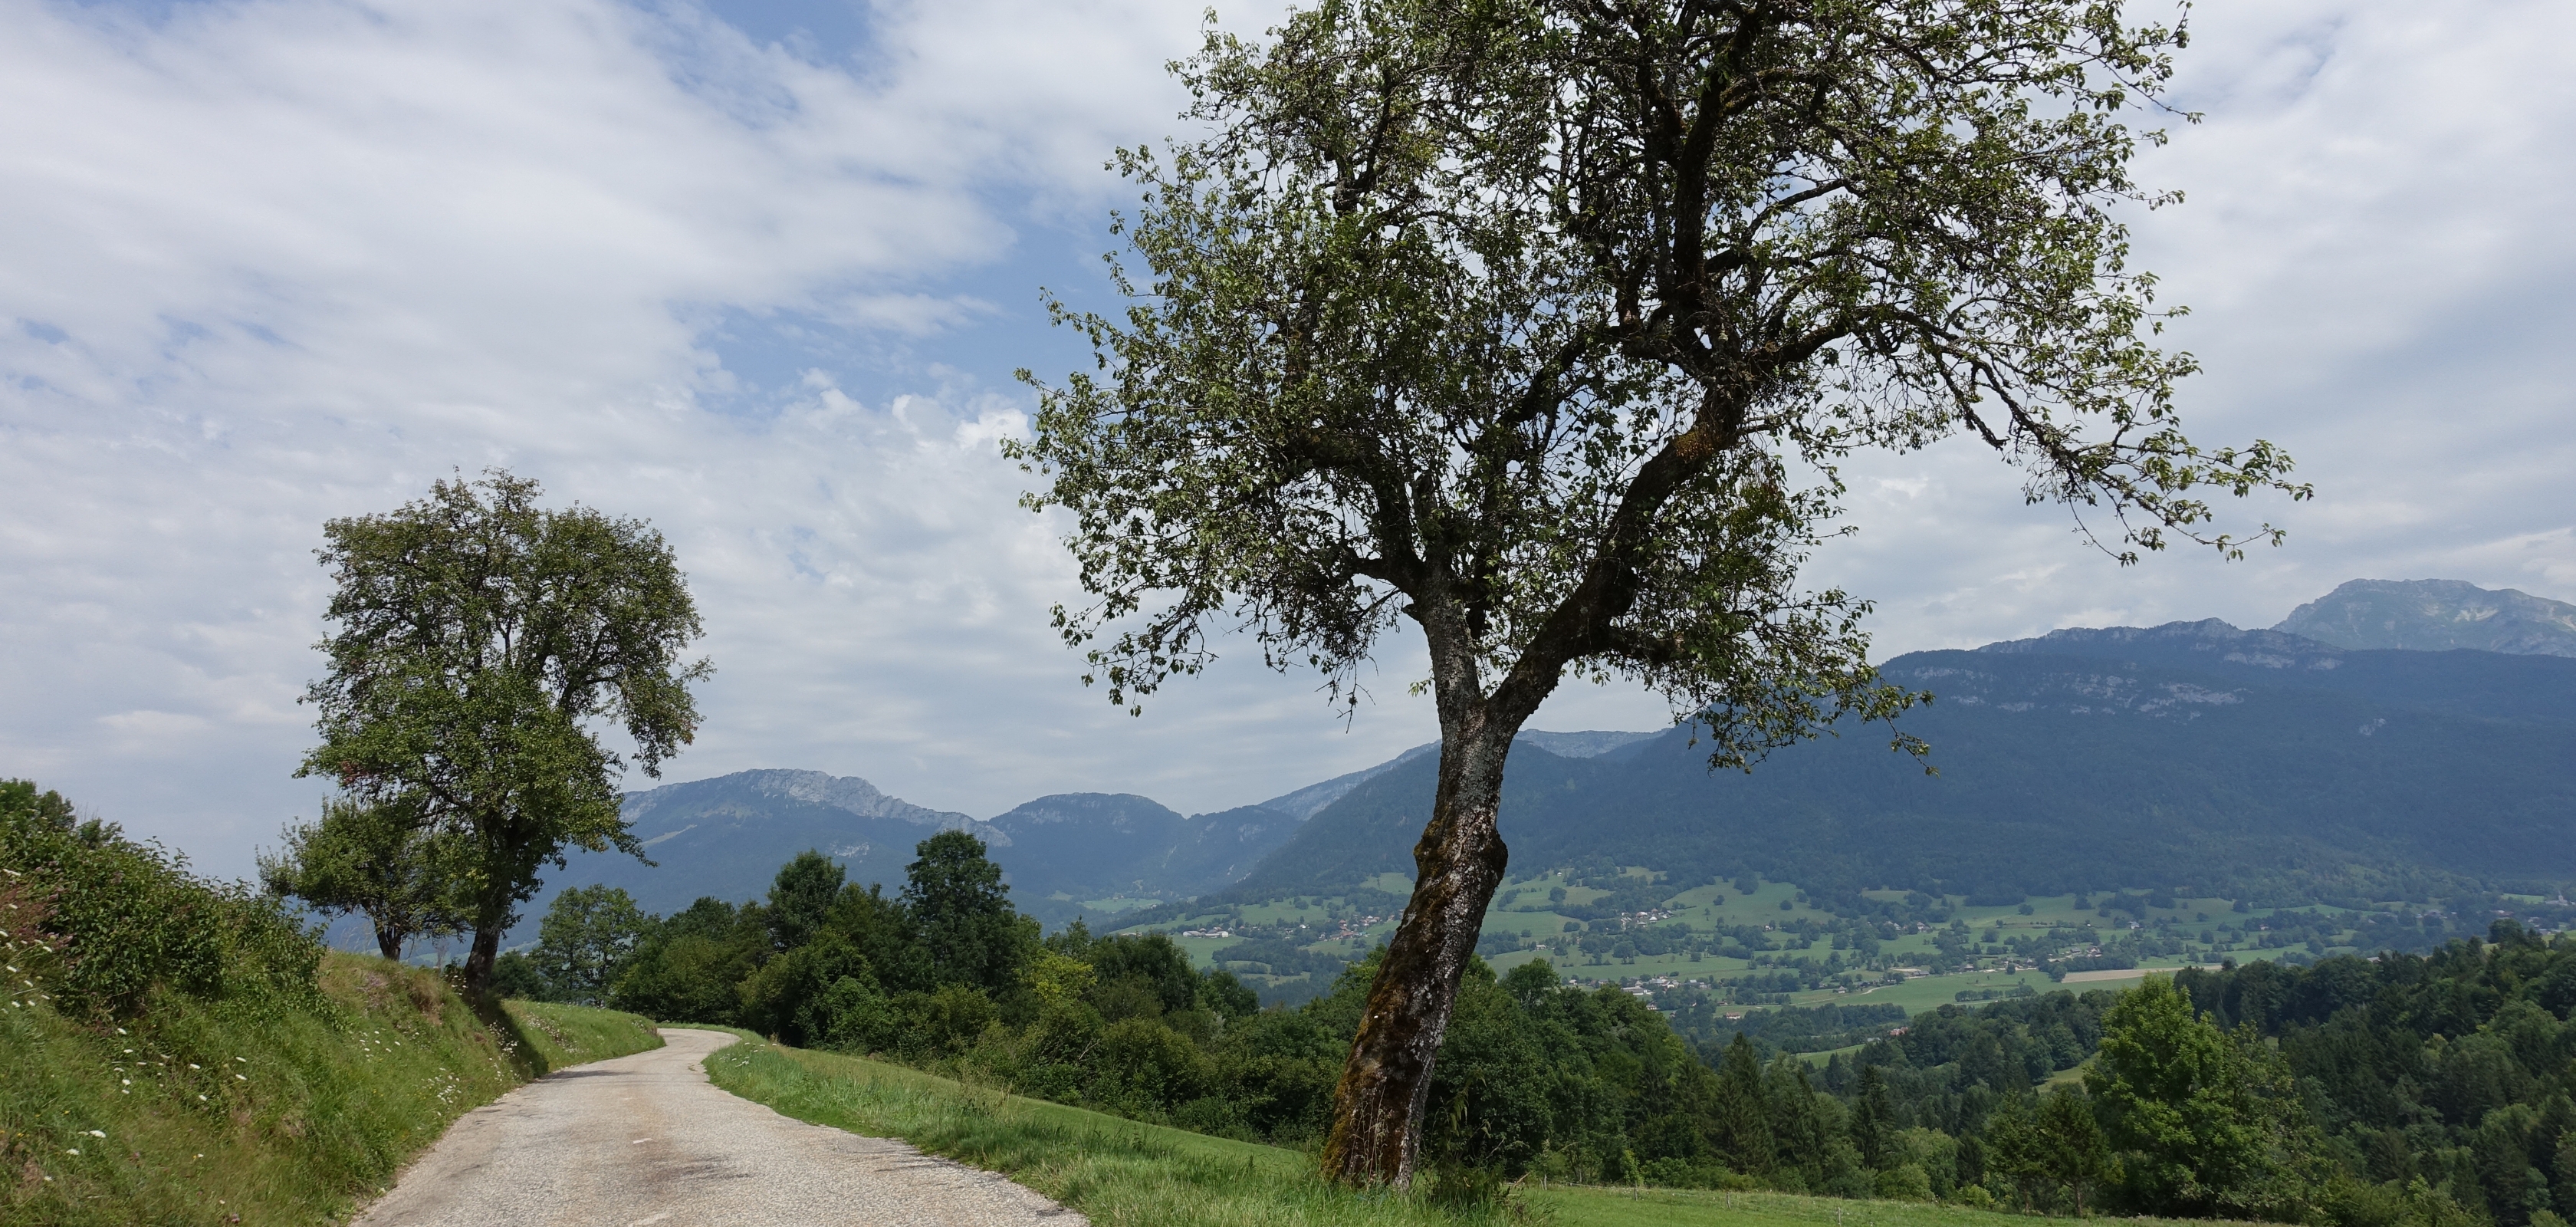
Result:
pixel 646 1139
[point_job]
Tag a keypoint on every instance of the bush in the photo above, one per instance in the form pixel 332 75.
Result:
pixel 688 978
pixel 854 1015
pixel 945 1022
pixel 1143 1064
pixel 126 921
pixel 1904 1182
pixel 515 976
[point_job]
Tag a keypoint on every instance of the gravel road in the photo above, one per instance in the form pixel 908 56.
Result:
pixel 647 1139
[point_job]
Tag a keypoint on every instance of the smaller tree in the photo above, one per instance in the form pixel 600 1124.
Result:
pixel 690 965
pixel 800 896
pixel 378 859
pixel 2070 1145
pixel 2011 1149
pixel 585 941
pixel 1740 1115
pixel 962 914
pixel 1873 1119
pixel 2190 1108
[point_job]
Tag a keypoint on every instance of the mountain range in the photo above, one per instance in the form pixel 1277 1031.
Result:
pixel 2284 762
pixel 2192 755
pixel 2436 615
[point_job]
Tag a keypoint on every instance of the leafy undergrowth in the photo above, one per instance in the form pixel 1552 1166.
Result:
pixel 262 1112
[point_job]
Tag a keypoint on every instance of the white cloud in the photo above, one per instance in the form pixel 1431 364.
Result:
pixel 2373 250
pixel 273 262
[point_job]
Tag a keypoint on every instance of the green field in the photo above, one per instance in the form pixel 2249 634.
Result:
pixel 1530 908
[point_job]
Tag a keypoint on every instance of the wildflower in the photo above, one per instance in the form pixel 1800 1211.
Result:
pixel 98 1133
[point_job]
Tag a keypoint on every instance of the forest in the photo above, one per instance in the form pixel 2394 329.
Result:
pixel 2430 1088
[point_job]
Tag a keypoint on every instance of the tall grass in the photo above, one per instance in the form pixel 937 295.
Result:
pixel 252 1112
pixel 1120 1172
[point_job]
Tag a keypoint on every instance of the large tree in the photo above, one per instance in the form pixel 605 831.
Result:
pixel 1542 325
pixel 481 642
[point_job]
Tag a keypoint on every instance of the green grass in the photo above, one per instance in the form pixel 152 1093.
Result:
pixel 278 1115
pixel 1597 1207
pixel 1122 1173
pixel 1113 1170
pixel 567 1035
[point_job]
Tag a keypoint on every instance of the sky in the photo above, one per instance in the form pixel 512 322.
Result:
pixel 760 273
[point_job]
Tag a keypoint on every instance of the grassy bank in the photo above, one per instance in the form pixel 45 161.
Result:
pixel 260 1112
pixel 1597 1207
pixel 1120 1172
pixel 1115 1171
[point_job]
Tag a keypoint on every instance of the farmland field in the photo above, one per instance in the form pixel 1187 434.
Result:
pixel 1767 945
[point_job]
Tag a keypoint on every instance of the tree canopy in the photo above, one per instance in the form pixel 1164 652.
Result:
pixel 381 860
pixel 1543 324
pixel 480 640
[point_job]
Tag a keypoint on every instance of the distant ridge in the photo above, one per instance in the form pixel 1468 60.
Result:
pixel 1303 803
pixel 2206 642
pixel 2436 615
pixel 2194 753
pixel 841 792
pixel 2306 757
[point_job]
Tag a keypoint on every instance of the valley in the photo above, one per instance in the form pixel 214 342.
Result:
pixel 2101 801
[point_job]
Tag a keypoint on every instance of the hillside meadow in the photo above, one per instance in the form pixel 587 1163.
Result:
pixel 1122 1172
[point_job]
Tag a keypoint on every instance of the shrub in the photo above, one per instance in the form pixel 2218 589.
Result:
pixel 125 921
pixel 1904 1182
pixel 1143 1063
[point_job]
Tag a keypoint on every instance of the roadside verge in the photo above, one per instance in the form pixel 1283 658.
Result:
pixel 263 1111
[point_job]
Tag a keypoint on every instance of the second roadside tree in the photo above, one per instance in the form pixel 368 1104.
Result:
pixel 1542 325
pixel 480 641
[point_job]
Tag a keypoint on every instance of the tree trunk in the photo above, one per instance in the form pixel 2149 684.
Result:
pixel 478 962
pixel 1378 1105
pixel 389 940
